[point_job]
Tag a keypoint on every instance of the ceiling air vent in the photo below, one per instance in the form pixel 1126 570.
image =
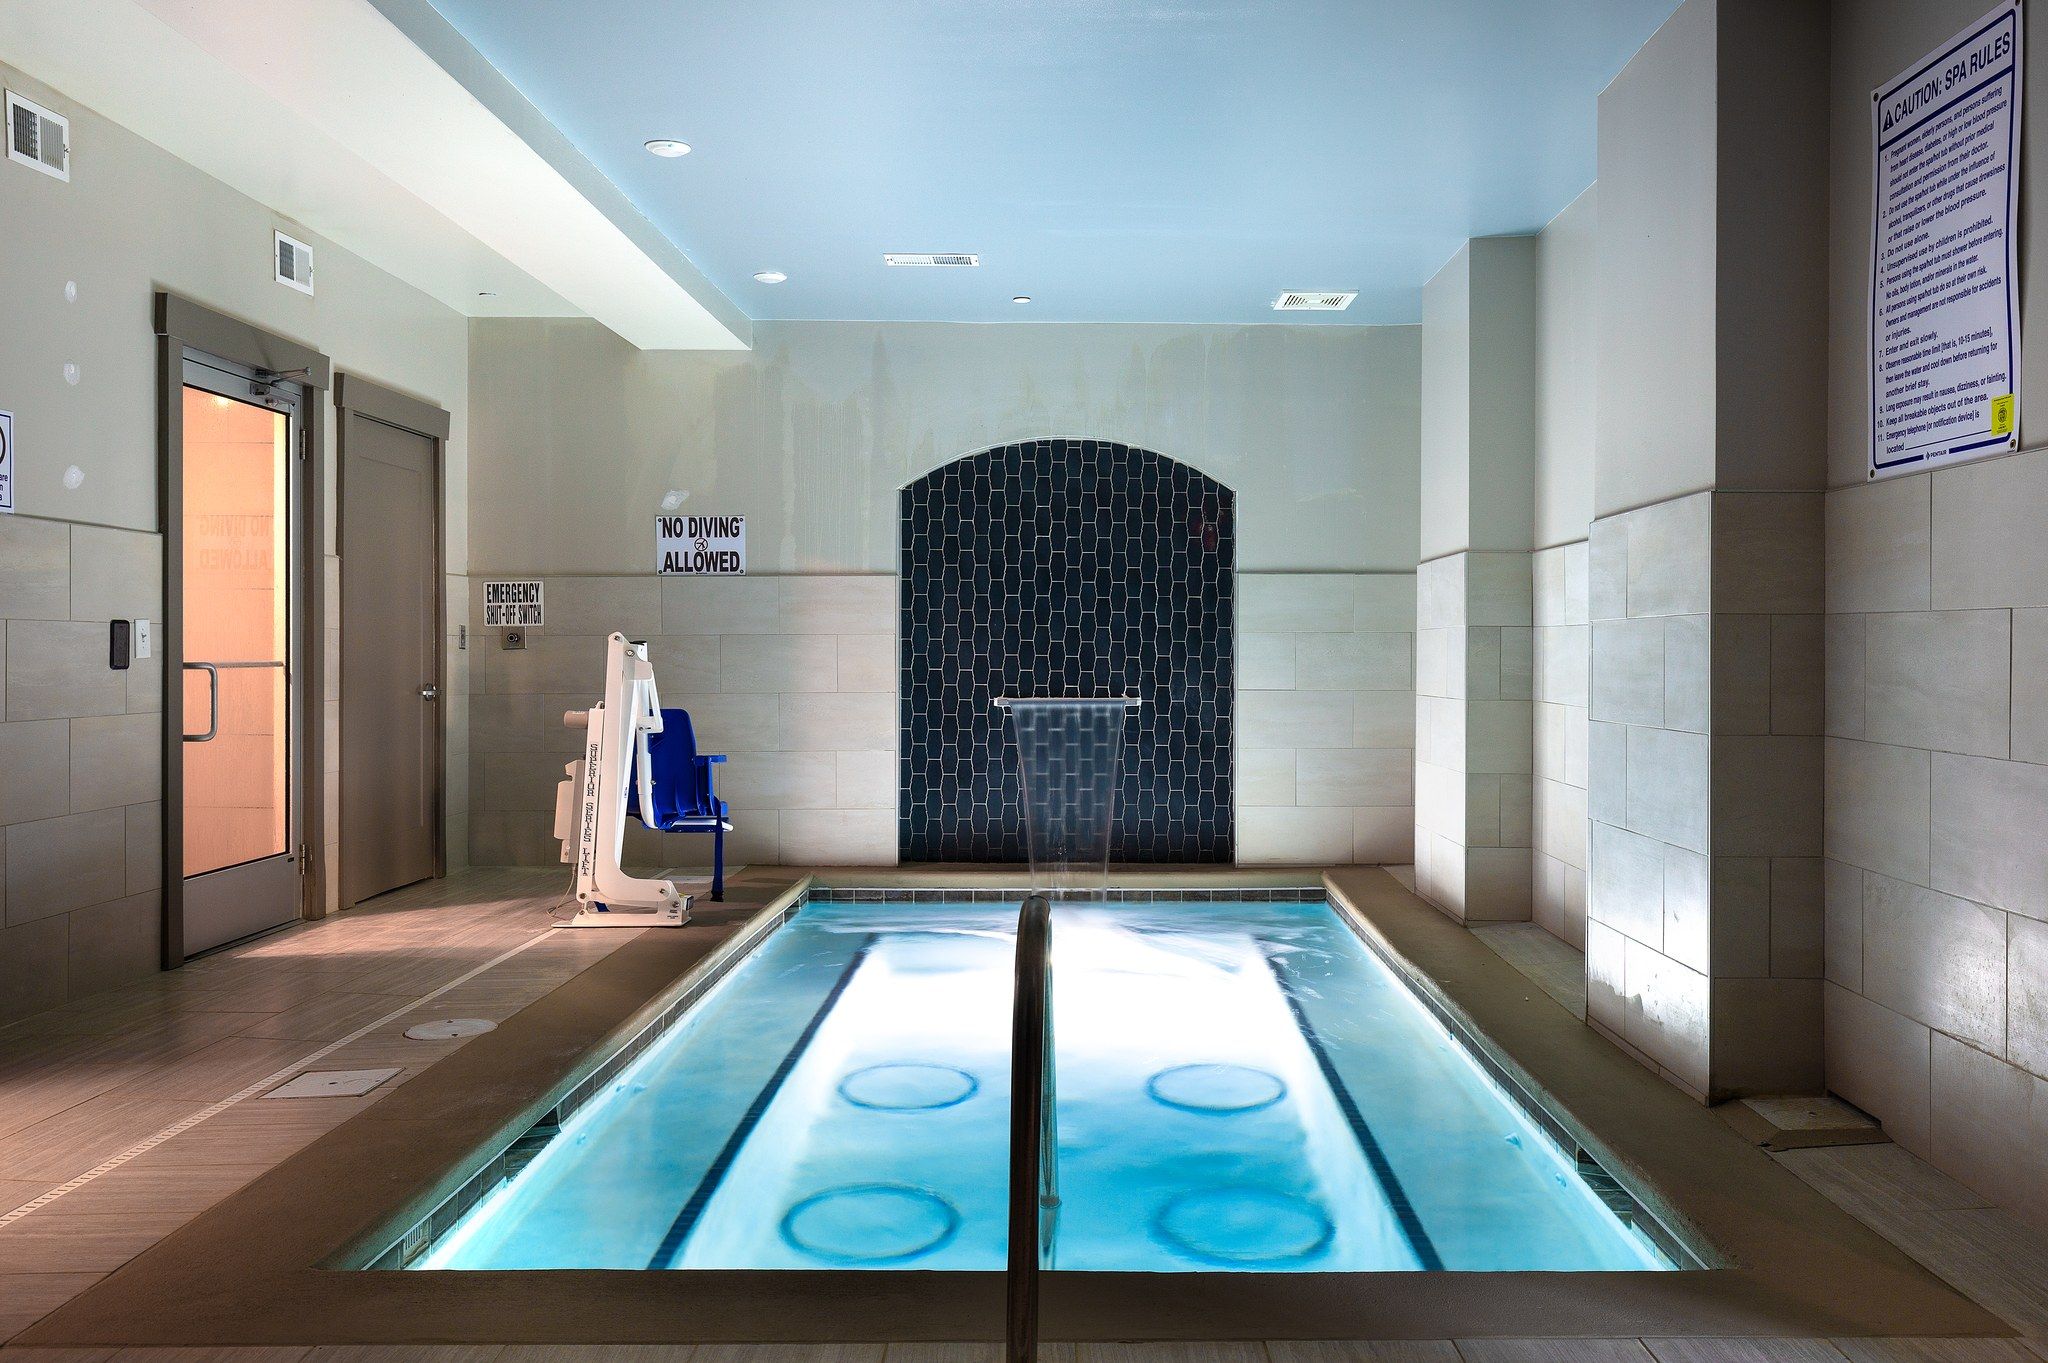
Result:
pixel 1296 300
pixel 38 138
pixel 952 258
pixel 294 263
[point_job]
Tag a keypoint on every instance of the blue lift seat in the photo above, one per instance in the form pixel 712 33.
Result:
pixel 683 799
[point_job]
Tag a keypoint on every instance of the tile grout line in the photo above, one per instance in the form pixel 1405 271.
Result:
pixel 184 1124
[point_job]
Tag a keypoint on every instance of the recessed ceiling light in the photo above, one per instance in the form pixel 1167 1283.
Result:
pixel 667 146
pixel 1021 298
pixel 769 276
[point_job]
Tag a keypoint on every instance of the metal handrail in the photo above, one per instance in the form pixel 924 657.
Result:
pixel 1034 1136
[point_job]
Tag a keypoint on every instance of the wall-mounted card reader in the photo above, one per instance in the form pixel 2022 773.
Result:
pixel 120 644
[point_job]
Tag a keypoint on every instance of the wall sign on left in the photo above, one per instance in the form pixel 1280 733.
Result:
pixel 7 461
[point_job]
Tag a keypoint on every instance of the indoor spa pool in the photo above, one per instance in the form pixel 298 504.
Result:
pixel 1240 1086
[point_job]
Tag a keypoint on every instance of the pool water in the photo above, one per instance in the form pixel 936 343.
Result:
pixel 1240 1086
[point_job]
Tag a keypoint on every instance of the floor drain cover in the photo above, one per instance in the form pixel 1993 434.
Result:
pixel 1244 1226
pixel 1216 1088
pixel 331 1084
pixel 870 1223
pixel 447 1029
pixel 908 1087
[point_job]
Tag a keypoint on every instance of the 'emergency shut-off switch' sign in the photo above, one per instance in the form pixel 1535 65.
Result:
pixel 1944 256
pixel 513 605
pixel 710 545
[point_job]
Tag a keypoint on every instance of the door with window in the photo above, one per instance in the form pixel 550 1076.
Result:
pixel 239 470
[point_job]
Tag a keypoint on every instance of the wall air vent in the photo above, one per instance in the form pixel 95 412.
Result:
pixel 1299 300
pixel 949 258
pixel 38 138
pixel 294 263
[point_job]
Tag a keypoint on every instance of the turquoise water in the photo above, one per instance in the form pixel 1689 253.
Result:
pixel 1240 1086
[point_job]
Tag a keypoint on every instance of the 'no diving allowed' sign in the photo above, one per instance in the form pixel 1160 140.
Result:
pixel 6 461
pixel 708 545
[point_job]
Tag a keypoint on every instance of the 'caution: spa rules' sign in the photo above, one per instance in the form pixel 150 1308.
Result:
pixel 714 545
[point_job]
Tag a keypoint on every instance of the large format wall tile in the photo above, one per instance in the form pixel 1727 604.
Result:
pixel 1939 680
pixel 1959 989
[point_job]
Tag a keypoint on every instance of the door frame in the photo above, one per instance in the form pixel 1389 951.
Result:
pixel 359 399
pixel 182 325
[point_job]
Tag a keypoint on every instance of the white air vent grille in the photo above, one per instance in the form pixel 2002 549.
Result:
pixel 949 258
pixel 1298 300
pixel 38 138
pixel 294 263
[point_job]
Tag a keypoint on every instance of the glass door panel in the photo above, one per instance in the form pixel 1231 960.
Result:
pixel 239 751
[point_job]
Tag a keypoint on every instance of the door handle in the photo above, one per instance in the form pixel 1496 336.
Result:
pixel 429 692
pixel 212 703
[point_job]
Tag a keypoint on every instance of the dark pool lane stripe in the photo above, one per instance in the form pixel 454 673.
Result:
pixel 1361 1130
pixel 700 1197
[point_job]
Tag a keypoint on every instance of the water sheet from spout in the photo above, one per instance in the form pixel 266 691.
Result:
pixel 1070 761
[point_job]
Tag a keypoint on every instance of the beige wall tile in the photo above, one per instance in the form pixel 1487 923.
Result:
pixel 1383 719
pixel 1989 1127
pixel 1667 1013
pixel 2030 685
pixel 854 722
pixel 1440 801
pixel 685 664
pixel 1577 583
pixel 1842 936
pixel 1382 837
pixel 58 670
pixel 519 781
pixel 35 569
pixel 1264 776
pixel 838 838
pixel 781 780
pixel 115 760
pixel 1295 719
pixel 1767 1036
pixel 1669 786
pixel 112 944
pixel 1741 928
pixel 778 663
pixel 1606 986
pixel 722 605
pixel 1767 553
pixel 1880 546
pixel 1440 593
pixel 2026 1003
pixel 1437 671
pixel 1518 662
pixel 115 575
pixel 1378 661
pixel 1496 885
pixel 1500 737
pixel 1939 679
pixel 1499 589
pixel 1988 821
pixel 35 770
pixel 1296 603
pixel 1607 569
pixel 1797 918
pixel 1741 669
pixel 1265 662
pixel 730 724
pixel 143 828
pixel 1383 601
pixel 867 780
pixel 510 723
pixel 33 963
pixel 1294 837
pixel 604 605
pixel 1607 772
pixel 1767 795
pixel 840 605
pixel 56 865
pixel 1668 548
pixel 1879 1061
pixel 1625 883
pixel 1798 687
pixel 1353 777
pixel 1936 959
pixel 1627 676
pixel 1988 546
pixel 1564 657
pixel 1877 801
pixel 1688 678
pixel 1845 639
pixel 1559 824
pixel 1688 908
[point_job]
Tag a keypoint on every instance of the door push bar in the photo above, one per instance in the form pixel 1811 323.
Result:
pixel 212 671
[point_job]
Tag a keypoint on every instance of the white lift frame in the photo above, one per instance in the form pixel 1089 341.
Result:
pixel 590 803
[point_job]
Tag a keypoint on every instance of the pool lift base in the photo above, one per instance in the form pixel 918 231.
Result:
pixel 590 801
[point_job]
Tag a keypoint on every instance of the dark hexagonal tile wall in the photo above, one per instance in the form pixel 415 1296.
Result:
pixel 1066 568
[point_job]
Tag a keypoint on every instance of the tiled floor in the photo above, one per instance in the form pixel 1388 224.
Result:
pixel 91 1083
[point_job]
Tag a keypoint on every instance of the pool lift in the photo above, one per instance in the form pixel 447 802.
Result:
pixel 615 779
